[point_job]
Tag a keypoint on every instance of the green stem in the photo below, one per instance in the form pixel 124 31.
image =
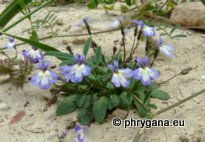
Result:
pixel 16 53
pixel 137 99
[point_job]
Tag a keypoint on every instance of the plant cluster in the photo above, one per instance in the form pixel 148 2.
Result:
pixel 97 85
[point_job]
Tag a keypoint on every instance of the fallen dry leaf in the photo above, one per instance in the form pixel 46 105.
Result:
pixel 16 118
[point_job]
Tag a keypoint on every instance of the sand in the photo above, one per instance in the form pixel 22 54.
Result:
pixel 44 126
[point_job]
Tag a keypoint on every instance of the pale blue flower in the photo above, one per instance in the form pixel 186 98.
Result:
pixel 144 73
pixel 80 133
pixel 147 31
pixel 120 77
pixel 119 23
pixel 81 23
pixel 115 23
pixel 11 43
pixel 65 70
pixel 75 72
pixel 165 49
pixel 45 78
pixel 34 55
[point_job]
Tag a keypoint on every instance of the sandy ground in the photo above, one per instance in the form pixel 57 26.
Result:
pixel 44 126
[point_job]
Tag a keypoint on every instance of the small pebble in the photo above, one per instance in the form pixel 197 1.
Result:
pixel 189 33
pixel 3 106
pixel 203 77
pixel 203 36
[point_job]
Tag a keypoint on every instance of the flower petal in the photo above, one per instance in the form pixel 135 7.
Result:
pixel 127 73
pixel 149 31
pixel 115 80
pixel 111 67
pixel 160 41
pixel 136 74
pixel 167 50
pixel 145 61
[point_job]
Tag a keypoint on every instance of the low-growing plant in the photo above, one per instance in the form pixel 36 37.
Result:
pixel 96 85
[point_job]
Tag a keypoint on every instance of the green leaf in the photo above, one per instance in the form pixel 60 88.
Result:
pixel 117 57
pixel 88 101
pixel 173 29
pixel 92 66
pixel 129 2
pixel 61 55
pixel 159 94
pixel 152 106
pixel 66 106
pixel 115 100
pixel 106 77
pixel 82 112
pixel 154 85
pixel 92 4
pixel 133 84
pixel 180 35
pixel 91 77
pixel 108 7
pixel 110 106
pixel 34 36
pixel 125 99
pixel 81 101
pixel 22 3
pixel 84 116
pixel 86 119
pixel 99 109
pixel 39 45
pixel 86 47
pixel 141 109
pixel 98 55
pixel 141 90
pixel 66 62
pixel 95 97
pixel 110 85
pixel 22 18
pixel 164 34
pixel 10 11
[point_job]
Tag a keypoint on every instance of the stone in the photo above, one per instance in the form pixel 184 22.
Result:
pixel 189 14
pixel 3 105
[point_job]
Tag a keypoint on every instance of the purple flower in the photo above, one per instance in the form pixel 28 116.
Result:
pixel 165 49
pixel 75 72
pixel 116 23
pixel 144 73
pixel 147 31
pixel 33 55
pixel 81 22
pixel 120 77
pixel 45 78
pixel 11 43
pixel 65 70
pixel 80 133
